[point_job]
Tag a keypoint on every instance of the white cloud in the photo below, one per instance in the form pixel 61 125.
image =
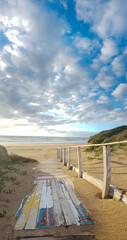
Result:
pixel 105 78
pixel 82 43
pixel 103 99
pixel 108 18
pixel 64 3
pixel 125 51
pixel 2 65
pixel 41 78
pixel 118 66
pixel 121 91
pixel 108 50
pixel 86 45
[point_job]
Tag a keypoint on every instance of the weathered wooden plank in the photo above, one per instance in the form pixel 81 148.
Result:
pixel 41 222
pixel 61 154
pixel 83 212
pixel 79 162
pixel 64 156
pixel 21 206
pixel 31 221
pixel 69 218
pixel 49 205
pixel 57 176
pixel 71 204
pixel 69 158
pixel 20 224
pixel 75 169
pixel 107 171
pixel 57 211
pixel 97 182
pixel 86 236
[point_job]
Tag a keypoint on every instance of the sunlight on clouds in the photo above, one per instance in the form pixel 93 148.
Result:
pixel 2 65
pixel 108 50
pixel 59 70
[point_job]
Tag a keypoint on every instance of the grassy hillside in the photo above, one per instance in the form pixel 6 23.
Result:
pixel 112 135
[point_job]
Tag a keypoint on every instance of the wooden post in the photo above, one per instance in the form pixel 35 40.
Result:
pixel 64 156
pixel 69 158
pixel 61 155
pixel 107 171
pixel 79 162
pixel 58 153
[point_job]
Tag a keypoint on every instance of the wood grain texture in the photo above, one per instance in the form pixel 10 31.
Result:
pixel 79 162
pixel 68 215
pixel 41 223
pixel 69 158
pixel 107 171
pixel 64 156
pixel 57 210
pixel 32 218
pixel 49 206
pixel 97 182
pixel 25 212
pixel 71 204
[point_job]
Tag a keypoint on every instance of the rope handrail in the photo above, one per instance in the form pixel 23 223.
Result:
pixel 98 144
pixel 105 185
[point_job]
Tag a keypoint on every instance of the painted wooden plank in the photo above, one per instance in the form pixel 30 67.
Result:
pixel 52 177
pixel 83 212
pixel 76 215
pixel 49 205
pixel 107 171
pixel 68 215
pixel 31 221
pixel 20 224
pixel 41 222
pixel 57 211
pixel 21 206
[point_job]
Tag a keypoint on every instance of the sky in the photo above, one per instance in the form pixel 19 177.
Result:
pixel 63 66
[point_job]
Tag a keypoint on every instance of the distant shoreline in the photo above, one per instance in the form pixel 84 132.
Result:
pixel 41 140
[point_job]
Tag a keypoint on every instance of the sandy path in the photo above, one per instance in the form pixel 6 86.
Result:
pixel 110 216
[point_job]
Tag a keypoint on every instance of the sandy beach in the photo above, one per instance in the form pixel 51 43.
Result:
pixel 109 215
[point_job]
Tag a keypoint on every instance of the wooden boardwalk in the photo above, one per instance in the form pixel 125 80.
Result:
pixel 53 202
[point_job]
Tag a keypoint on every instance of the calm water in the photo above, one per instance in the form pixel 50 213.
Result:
pixel 34 139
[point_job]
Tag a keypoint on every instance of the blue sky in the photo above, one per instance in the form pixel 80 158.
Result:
pixel 63 66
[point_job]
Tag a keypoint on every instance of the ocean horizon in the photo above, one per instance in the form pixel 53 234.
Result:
pixel 41 139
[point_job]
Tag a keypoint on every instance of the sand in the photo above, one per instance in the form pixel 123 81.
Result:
pixel 110 215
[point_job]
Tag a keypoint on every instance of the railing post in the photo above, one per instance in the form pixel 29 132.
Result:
pixel 61 155
pixel 64 156
pixel 79 162
pixel 107 170
pixel 58 153
pixel 69 158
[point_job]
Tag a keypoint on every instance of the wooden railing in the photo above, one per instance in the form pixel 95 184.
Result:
pixel 105 186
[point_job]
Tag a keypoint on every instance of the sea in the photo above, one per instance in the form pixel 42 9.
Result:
pixel 41 139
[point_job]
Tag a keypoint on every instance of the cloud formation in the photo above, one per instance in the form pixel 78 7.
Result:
pixel 51 75
pixel 107 18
